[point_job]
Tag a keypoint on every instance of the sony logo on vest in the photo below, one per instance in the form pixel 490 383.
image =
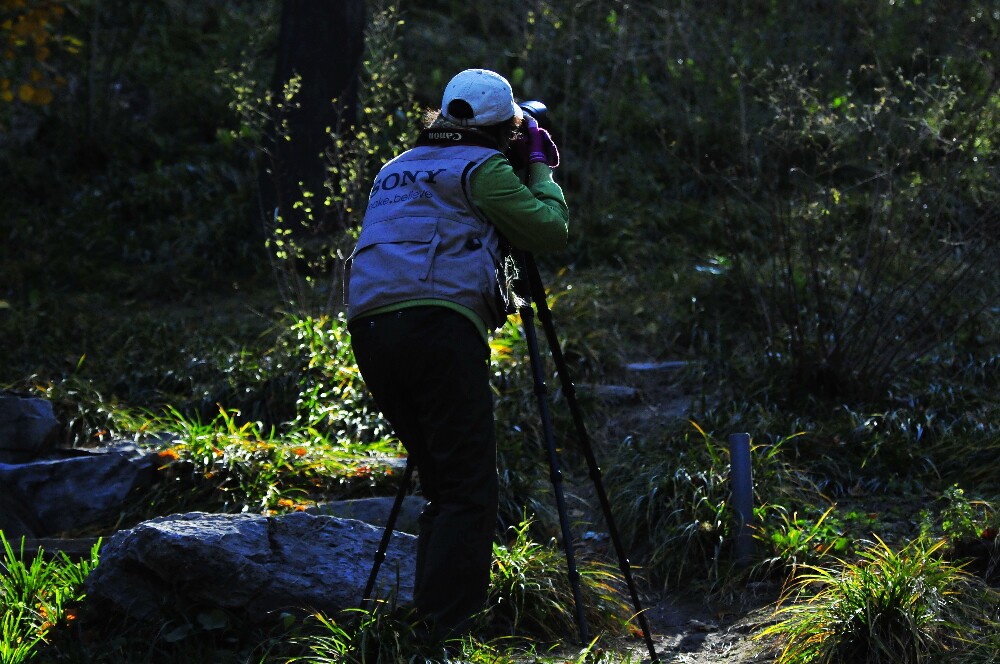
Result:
pixel 393 180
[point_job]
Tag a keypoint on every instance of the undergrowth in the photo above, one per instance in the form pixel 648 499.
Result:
pixel 806 215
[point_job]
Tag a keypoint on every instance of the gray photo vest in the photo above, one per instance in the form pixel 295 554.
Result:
pixel 422 238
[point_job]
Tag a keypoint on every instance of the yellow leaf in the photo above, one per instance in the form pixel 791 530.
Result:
pixel 700 430
pixel 42 96
pixel 169 453
pixel 25 92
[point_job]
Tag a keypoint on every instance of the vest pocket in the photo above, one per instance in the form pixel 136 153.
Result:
pixel 389 255
pixel 411 242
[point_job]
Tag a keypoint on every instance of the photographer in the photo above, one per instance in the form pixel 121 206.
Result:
pixel 426 286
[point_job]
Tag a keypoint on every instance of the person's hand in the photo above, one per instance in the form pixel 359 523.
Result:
pixel 532 145
pixel 541 148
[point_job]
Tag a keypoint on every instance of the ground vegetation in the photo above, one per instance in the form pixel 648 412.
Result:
pixel 799 201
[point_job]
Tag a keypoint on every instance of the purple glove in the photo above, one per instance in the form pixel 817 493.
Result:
pixel 541 148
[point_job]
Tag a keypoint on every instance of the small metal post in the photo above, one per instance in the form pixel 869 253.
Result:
pixel 742 480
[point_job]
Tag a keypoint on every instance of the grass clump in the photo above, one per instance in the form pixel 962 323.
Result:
pixel 531 593
pixel 39 597
pixel 530 609
pixel 672 500
pixel 231 467
pixel 901 606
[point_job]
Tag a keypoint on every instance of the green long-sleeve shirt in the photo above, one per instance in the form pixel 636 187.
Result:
pixel 533 217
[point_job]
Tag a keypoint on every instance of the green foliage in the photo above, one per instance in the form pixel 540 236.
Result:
pixel 673 496
pixel 971 529
pixel 900 606
pixel 39 597
pixel 308 263
pixel 962 518
pixel 801 540
pixel 531 594
pixel 226 466
pixel 810 537
pixel 332 398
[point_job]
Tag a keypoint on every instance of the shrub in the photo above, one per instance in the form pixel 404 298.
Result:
pixel 898 607
pixel 854 238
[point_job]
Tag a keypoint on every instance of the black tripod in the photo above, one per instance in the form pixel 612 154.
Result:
pixel 530 285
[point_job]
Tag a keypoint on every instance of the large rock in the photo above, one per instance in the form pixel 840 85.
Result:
pixel 74 490
pixel 27 426
pixel 17 517
pixel 250 565
pixel 376 511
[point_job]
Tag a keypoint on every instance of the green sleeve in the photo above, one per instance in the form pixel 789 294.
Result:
pixel 533 217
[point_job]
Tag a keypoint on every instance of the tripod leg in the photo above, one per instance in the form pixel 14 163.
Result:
pixel 545 316
pixel 528 321
pixel 390 524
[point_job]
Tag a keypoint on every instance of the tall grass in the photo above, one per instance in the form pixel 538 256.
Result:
pixel 672 499
pixel 885 607
pixel 530 608
pixel 531 593
pixel 232 467
pixel 38 597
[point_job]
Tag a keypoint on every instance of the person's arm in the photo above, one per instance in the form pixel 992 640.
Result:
pixel 533 217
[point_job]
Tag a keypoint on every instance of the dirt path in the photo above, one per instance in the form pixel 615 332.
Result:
pixel 686 629
pixel 689 632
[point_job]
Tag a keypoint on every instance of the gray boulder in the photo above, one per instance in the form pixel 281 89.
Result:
pixel 27 426
pixel 376 511
pixel 72 490
pixel 253 566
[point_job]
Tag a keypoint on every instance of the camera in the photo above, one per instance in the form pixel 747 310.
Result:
pixel 537 110
pixel 517 150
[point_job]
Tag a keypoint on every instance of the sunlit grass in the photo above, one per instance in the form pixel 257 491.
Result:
pixel 38 596
pixel 530 616
pixel 238 467
pixel 886 607
pixel 531 593
pixel 376 638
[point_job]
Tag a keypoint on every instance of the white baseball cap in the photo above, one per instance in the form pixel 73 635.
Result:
pixel 487 93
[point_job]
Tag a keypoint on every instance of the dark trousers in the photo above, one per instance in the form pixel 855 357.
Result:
pixel 428 369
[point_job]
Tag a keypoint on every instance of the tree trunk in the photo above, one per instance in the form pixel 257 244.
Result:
pixel 321 42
